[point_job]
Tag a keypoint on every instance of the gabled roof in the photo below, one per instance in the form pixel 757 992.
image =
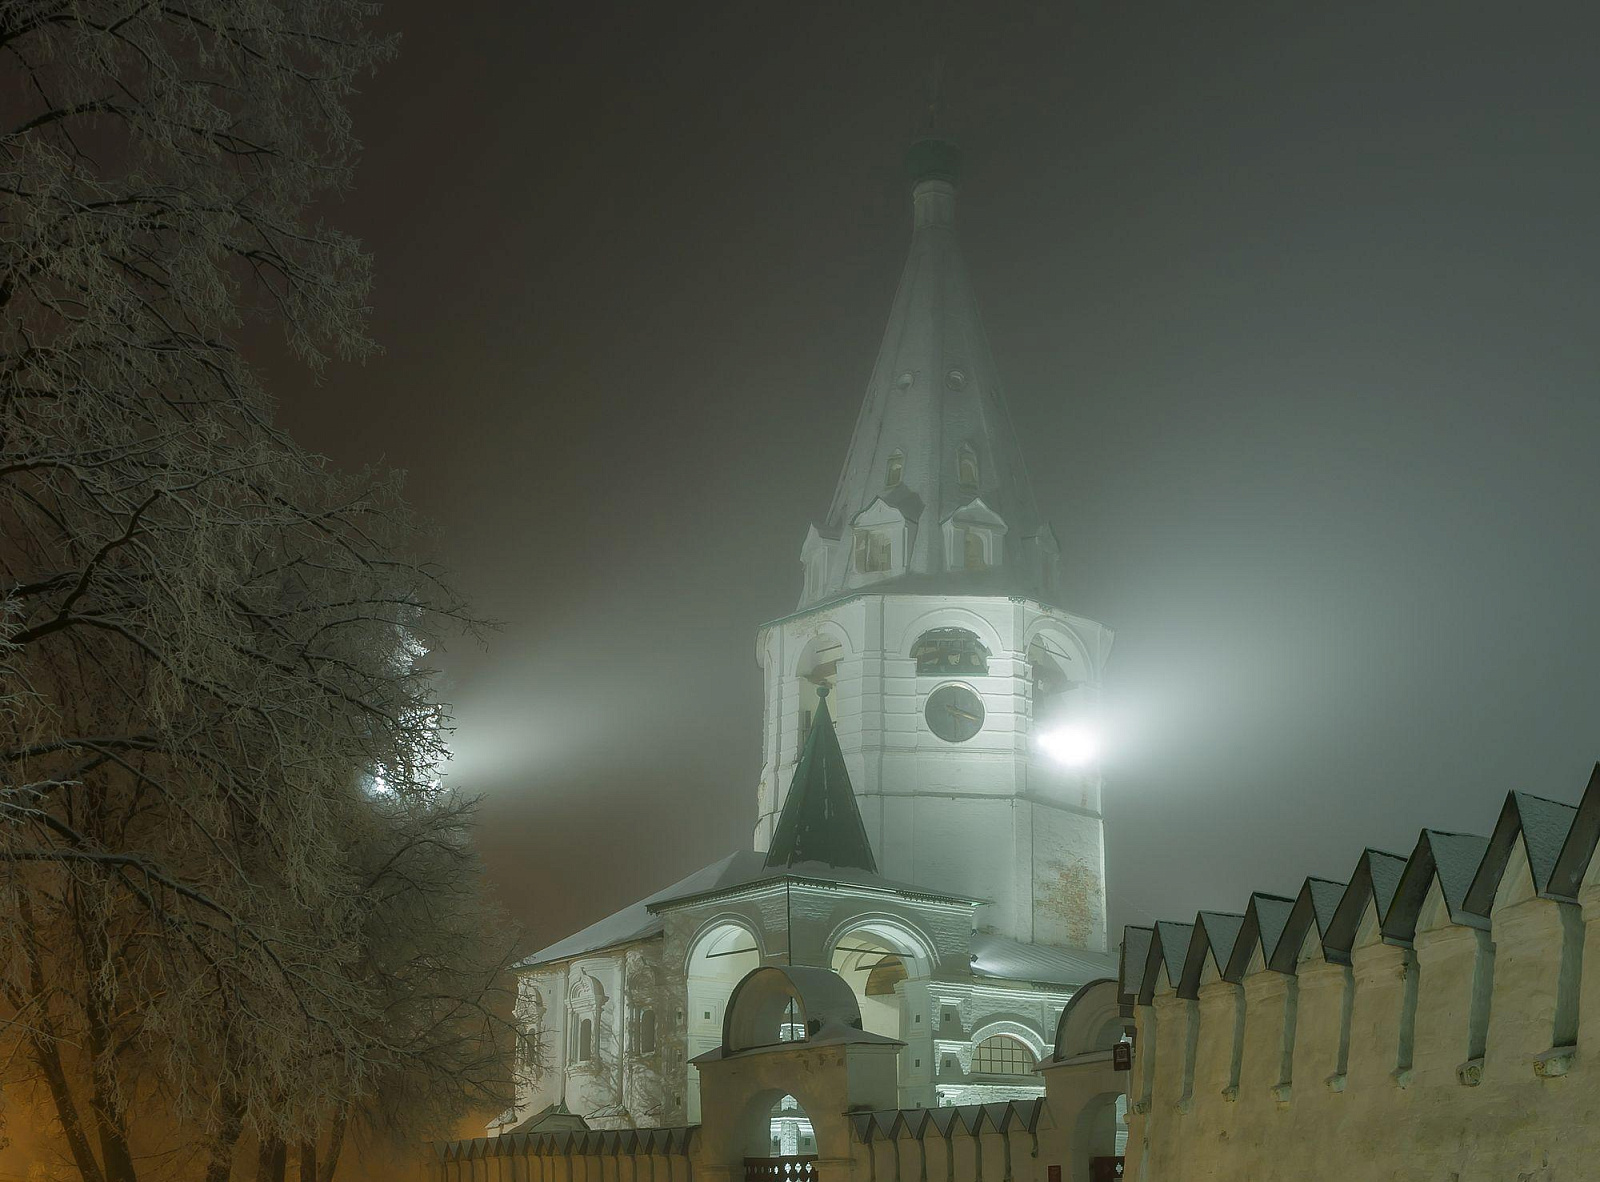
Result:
pixel 1169 945
pixel 1264 921
pixel 1573 861
pixel 1133 956
pixel 1314 908
pixel 738 872
pixel 1451 859
pixel 636 921
pixel 902 500
pixel 1213 936
pixel 820 821
pixel 1543 826
pixel 1376 877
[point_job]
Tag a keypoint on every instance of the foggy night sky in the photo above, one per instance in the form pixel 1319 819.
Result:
pixel 1297 314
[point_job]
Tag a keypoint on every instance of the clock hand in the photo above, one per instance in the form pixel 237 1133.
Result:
pixel 963 714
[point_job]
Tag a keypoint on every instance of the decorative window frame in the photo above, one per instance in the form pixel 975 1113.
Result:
pixel 974 518
pixel 967 457
pixel 643 1019
pixel 586 1002
pixel 880 517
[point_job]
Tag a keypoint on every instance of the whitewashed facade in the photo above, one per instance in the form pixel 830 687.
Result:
pixel 930 615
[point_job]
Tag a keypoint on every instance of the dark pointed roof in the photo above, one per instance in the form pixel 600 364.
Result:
pixel 1314 908
pixel 935 395
pixel 820 821
pixel 1168 947
pixel 1579 847
pixel 1542 825
pixel 1452 858
pixel 1214 935
pixel 1264 921
pixel 1376 878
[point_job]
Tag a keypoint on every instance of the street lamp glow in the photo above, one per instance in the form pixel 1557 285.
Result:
pixel 1071 746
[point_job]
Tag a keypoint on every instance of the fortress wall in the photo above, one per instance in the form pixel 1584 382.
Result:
pixel 1415 1102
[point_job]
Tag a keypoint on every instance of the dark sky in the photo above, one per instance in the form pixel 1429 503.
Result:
pixel 1297 309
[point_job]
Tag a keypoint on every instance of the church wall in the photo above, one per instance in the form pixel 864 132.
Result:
pixel 990 816
pixel 1411 1105
pixel 623 1082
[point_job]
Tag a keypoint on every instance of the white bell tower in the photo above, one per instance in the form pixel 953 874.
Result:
pixel 965 694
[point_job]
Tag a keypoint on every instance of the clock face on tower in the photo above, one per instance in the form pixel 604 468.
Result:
pixel 954 713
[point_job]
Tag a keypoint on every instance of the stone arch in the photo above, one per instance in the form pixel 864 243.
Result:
pixel 764 1000
pixel 712 969
pixel 913 941
pixel 723 919
pixel 952 617
pixel 858 949
pixel 1092 1021
pixel 1094 1132
pixel 1059 632
pixel 827 632
pixel 1010 1028
pixel 751 1131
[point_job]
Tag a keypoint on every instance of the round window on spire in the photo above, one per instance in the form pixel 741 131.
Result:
pixel 904 380
pixel 956 379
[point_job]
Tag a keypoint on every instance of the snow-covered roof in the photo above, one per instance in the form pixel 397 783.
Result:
pixel 1041 964
pixel 635 921
pixel 737 872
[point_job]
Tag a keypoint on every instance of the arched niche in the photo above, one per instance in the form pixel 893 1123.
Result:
pixel 721 954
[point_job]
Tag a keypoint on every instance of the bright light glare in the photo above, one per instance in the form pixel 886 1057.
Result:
pixel 1073 746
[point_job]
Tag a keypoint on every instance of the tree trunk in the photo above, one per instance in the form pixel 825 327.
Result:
pixel 272 1159
pixel 308 1161
pixel 66 1106
pixel 335 1144
pixel 47 1054
pixel 219 1166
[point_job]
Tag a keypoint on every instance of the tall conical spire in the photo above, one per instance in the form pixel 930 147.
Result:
pixel 820 821
pixel 934 447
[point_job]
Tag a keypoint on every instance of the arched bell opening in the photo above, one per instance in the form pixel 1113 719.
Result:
pixel 719 959
pixel 818 668
pixel 1057 682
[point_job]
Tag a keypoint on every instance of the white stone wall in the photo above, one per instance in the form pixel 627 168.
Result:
pixel 1416 1100
pixel 623 1083
pixel 991 817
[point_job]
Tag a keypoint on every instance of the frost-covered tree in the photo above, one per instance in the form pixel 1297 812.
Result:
pixel 215 936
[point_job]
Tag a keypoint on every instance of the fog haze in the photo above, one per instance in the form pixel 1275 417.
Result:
pixel 1296 307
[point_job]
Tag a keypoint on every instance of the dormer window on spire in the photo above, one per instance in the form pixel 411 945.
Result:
pixel 872 551
pixel 896 469
pixel 967 467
